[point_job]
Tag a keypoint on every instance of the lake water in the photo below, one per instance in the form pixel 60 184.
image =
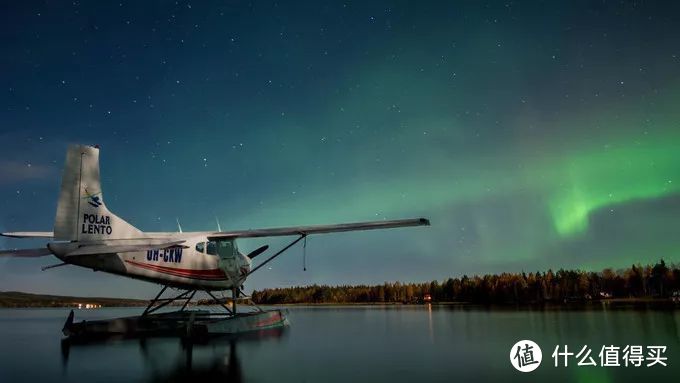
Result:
pixel 346 344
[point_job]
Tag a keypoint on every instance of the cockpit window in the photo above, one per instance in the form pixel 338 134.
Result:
pixel 200 247
pixel 212 248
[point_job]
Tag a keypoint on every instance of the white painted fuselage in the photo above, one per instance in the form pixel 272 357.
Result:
pixel 197 263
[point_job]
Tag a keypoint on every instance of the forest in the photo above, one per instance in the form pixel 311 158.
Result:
pixel 651 281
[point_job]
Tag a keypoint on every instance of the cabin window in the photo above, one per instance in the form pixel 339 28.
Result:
pixel 212 248
pixel 200 247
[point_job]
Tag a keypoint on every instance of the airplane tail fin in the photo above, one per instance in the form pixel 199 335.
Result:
pixel 81 212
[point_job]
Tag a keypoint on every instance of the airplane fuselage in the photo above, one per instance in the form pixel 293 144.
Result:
pixel 197 264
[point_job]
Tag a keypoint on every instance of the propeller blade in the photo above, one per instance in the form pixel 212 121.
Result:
pixel 257 251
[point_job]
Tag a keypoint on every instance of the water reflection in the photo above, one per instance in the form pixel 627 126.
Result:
pixel 205 360
pixel 224 366
pixel 429 321
pixel 339 344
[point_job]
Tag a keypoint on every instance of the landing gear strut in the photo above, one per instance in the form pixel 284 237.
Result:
pixel 153 306
pixel 230 311
pixel 157 302
pixel 236 294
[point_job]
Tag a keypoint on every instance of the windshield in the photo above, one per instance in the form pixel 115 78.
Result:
pixel 225 249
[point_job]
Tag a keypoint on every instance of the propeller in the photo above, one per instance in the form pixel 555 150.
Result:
pixel 257 251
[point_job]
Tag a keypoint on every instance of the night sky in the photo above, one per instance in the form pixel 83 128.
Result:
pixel 534 135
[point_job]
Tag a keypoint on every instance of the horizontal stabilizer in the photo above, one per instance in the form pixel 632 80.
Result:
pixel 27 253
pixel 29 234
pixel 320 229
pixel 110 249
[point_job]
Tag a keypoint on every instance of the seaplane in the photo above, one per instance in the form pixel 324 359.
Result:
pixel 87 234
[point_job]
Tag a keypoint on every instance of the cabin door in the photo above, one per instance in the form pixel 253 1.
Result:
pixel 226 253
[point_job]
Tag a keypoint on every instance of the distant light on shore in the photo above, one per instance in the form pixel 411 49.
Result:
pixel 87 306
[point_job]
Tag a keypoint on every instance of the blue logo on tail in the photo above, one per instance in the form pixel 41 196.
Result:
pixel 93 199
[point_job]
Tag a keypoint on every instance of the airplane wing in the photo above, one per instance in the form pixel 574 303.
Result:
pixel 29 234
pixel 109 249
pixel 319 229
pixel 26 253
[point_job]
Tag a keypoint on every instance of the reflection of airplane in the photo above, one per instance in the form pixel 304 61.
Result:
pixel 219 368
pixel 218 363
pixel 216 360
pixel 87 234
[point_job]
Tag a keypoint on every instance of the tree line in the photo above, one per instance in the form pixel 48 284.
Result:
pixel 655 281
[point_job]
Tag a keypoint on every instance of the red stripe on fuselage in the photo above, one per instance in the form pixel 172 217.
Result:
pixel 211 274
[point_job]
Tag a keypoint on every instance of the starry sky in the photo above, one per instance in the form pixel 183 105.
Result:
pixel 533 134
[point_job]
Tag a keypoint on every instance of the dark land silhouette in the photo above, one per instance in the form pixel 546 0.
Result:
pixel 660 281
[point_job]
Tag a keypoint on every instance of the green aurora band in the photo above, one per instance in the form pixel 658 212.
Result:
pixel 604 178
pixel 573 185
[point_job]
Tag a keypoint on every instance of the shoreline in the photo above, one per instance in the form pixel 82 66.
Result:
pixel 39 301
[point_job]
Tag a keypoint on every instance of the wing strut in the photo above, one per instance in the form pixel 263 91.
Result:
pixel 301 237
pixel 304 255
pixel 53 266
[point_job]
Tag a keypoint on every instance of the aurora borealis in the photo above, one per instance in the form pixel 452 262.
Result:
pixel 534 135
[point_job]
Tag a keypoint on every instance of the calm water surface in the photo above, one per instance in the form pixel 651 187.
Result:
pixel 340 344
